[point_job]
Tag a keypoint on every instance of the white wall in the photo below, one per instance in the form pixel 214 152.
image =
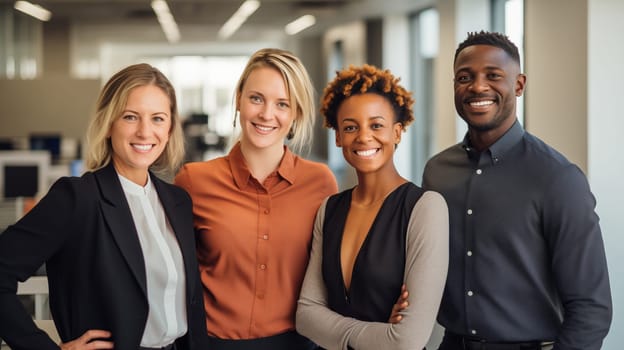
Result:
pixel 605 142
pixel 395 57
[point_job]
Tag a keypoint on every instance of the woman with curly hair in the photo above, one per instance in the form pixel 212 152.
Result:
pixel 376 241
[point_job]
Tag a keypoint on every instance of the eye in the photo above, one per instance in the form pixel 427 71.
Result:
pixel 462 78
pixel 349 128
pixel 494 76
pixel 376 126
pixel 283 105
pixel 159 118
pixel 255 99
pixel 129 117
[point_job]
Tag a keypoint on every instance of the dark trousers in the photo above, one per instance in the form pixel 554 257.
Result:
pixel 285 341
pixel 453 341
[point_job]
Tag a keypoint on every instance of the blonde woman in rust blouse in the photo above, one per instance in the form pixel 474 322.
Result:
pixel 254 210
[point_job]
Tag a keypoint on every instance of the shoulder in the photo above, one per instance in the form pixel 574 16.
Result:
pixel 429 202
pixel 544 154
pixel 551 165
pixel 312 168
pixel 315 175
pixel 205 167
pixel 196 172
pixel 447 158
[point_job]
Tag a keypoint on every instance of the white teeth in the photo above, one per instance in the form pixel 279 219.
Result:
pixel 264 128
pixel 366 153
pixel 142 147
pixel 481 103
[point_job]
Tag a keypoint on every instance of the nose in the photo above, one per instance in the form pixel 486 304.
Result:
pixel 479 84
pixel 364 135
pixel 143 127
pixel 266 112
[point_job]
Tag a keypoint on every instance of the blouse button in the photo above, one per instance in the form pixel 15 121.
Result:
pixel 469 211
pixel 262 266
pixel 479 171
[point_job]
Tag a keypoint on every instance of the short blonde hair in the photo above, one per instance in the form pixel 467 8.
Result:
pixel 299 89
pixel 109 107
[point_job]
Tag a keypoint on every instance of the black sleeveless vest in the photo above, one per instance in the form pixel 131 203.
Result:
pixel 380 264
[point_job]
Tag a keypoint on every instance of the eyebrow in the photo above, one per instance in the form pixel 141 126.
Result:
pixel 373 117
pixel 135 112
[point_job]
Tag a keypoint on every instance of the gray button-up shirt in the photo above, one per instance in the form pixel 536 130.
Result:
pixel 527 259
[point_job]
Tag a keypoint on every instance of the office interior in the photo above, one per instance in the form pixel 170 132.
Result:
pixel 51 72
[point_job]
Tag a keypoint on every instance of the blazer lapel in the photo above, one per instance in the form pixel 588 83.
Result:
pixel 119 220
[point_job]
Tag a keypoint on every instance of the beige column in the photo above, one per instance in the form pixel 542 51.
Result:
pixel 556 68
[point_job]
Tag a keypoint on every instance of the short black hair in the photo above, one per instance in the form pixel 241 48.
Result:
pixel 492 39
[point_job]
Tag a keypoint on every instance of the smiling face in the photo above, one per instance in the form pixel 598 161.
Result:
pixel 265 112
pixel 487 82
pixel 367 132
pixel 140 134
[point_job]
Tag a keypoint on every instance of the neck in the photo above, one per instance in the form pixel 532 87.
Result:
pixel 374 187
pixel 262 161
pixel 483 139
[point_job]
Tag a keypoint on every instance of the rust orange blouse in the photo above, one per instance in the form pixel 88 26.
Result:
pixel 253 240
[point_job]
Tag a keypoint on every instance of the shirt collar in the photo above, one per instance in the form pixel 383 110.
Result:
pixel 501 147
pixel 241 173
pixel 130 187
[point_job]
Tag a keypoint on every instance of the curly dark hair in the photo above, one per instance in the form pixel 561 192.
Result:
pixel 492 39
pixel 362 80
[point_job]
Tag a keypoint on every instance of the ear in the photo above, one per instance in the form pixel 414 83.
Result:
pixel 397 129
pixel 520 83
pixel 338 140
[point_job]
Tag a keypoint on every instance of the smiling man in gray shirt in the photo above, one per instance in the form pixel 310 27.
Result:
pixel 527 267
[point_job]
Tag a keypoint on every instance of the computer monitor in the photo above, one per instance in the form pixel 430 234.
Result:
pixel 50 142
pixel 23 173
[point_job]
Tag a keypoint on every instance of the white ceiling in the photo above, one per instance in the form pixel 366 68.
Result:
pixel 200 20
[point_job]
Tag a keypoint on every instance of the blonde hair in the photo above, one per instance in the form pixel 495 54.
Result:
pixel 299 89
pixel 109 107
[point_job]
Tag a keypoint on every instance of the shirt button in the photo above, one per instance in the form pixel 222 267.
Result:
pixel 266 211
pixel 479 171
pixel 262 266
pixel 469 253
pixel 470 293
pixel 474 331
pixel 265 237
pixel 495 160
pixel 469 211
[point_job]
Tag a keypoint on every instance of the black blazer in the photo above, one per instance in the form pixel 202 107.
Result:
pixel 83 230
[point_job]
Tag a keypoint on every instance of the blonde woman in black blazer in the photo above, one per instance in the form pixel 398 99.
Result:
pixel 118 242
